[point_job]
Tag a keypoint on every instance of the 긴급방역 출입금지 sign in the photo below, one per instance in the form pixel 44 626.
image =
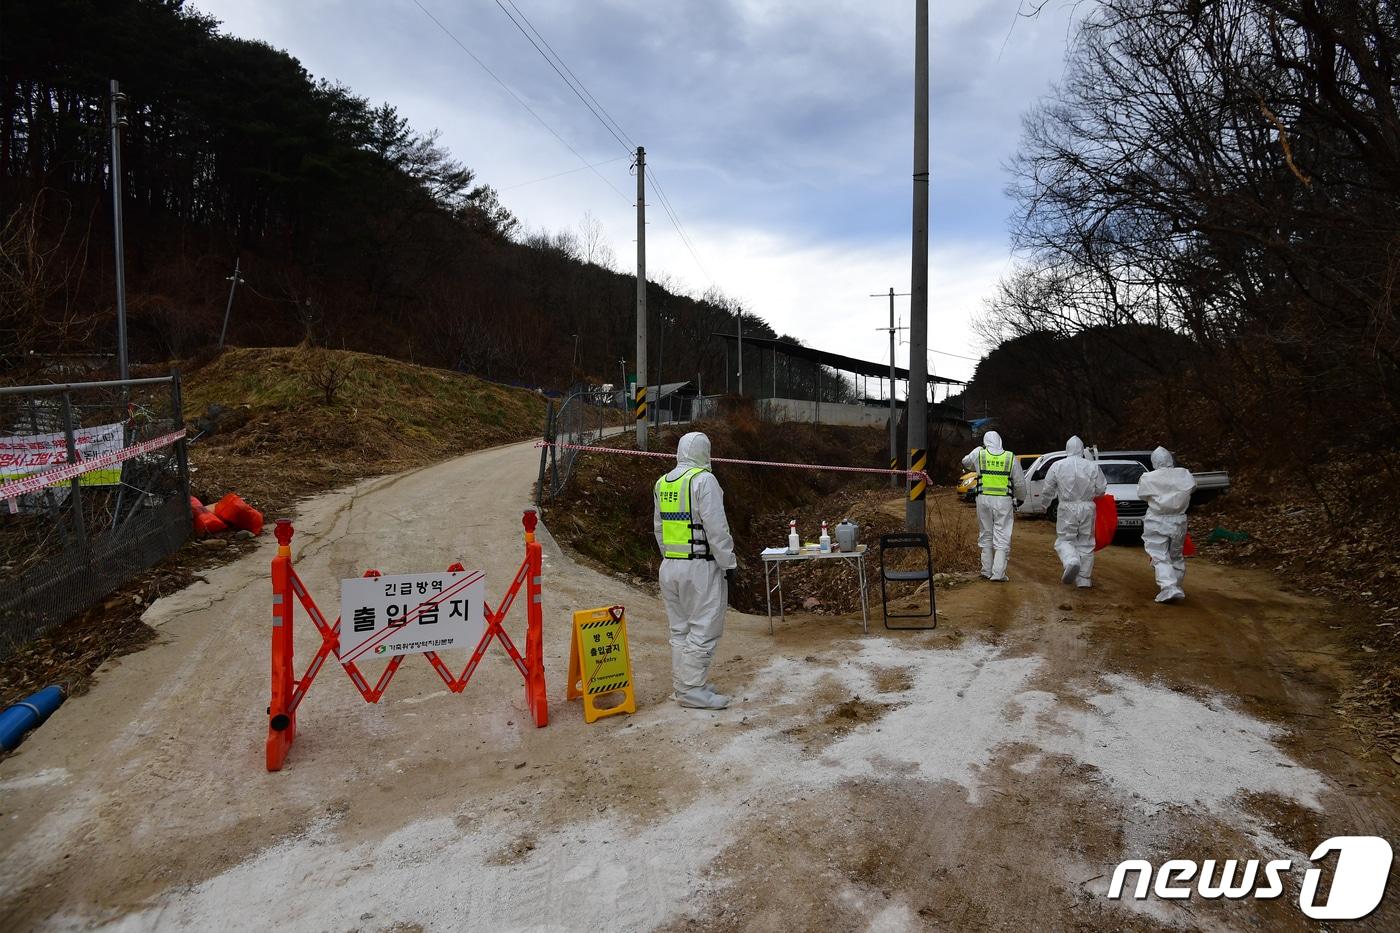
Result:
pixel 411 613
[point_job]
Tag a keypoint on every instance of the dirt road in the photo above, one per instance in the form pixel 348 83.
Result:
pixel 987 775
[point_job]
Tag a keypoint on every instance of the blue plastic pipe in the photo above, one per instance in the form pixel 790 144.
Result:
pixel 28 714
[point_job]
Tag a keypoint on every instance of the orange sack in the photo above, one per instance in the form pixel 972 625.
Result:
pixel 1105 521
pixel 232 509
pixel 205 521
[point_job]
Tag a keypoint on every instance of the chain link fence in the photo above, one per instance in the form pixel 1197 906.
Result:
pixel 66 545
pixel 584 416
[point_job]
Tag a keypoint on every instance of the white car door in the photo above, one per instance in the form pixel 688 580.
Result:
pixel 1035 483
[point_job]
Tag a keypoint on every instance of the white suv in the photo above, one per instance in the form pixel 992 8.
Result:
pixel 1122 476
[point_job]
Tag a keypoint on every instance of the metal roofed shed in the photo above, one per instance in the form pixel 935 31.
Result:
pixel 670 401
pixel 802 392
pixel 837 361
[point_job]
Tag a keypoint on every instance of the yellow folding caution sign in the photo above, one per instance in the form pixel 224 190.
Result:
pixel 599 662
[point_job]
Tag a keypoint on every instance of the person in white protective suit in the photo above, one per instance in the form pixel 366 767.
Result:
pixel 1000 485
pixel 697 567
pixel 1073 484
pixel 1166 489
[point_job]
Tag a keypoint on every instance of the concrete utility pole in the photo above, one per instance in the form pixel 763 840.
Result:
pixel 917 404
pixel 894 415
pixel 233 281
pixel 116 112
pixel 639 399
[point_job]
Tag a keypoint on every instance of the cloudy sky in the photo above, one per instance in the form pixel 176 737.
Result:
pixel 781 130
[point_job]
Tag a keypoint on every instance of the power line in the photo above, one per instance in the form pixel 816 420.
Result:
pixel 970 359
pixel 549 61
pixel 676 222
pixel 629 144
pixel 955 356
pixel 516 97
pixel 600 113
pixel 562 174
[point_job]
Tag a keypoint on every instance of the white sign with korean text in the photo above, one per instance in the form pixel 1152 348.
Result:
pixel 411 613
pixel 24 454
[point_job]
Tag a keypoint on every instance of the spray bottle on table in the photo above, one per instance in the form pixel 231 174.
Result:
pixel 794 543
pixel 824 542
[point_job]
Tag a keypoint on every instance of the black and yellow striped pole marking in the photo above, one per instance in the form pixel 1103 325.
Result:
pixel 894 463
pixel 641 403
pixel 918 463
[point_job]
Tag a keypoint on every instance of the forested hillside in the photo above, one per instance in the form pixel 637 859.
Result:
pixel 353 229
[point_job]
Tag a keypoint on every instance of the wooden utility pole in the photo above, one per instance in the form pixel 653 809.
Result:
pixel 233 281
pixel 739 322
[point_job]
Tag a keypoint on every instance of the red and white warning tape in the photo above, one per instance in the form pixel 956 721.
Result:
pixel 38 481
pixel 912 474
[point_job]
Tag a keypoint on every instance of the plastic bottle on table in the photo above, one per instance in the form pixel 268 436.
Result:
pixel 824 542
pixel 794 543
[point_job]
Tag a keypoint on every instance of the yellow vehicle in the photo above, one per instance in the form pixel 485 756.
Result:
pixel 967 486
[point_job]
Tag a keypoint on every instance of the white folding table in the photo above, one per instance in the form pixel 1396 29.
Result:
pixel 775 557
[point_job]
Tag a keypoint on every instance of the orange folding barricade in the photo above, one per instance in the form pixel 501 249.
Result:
pixel 288 691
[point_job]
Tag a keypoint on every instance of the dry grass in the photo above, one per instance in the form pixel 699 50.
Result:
pixel 952 531
pixel 279 439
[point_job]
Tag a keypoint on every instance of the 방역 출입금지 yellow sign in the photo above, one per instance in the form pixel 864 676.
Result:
pixel 599 662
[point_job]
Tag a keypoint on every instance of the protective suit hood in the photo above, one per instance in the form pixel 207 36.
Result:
pixel 1074 447
pixel 693 451
pixel 992 441
pixel 1162 459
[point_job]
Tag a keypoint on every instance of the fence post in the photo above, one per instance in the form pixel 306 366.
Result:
pixel 554 451
pixel 177 421
pixel 544 451
pixel 75 484
pixel 49 499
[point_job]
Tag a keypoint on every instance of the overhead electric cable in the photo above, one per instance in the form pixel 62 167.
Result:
pixel 676 222
pixel 566 67
pixel 517 98
pixel 579 90
pixel 571 171
pixel 601 114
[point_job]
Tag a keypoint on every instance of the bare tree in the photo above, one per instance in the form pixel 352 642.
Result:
pixel 38 280
pixel 592 241
pixel 325 372
pixel 1226 169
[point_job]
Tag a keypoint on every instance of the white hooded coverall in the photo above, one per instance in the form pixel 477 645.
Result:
pixel 996 514
pixel 695 591
pixel 1167 491
pixel 1074 483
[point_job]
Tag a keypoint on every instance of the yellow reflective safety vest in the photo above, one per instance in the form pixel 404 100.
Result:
pixel 994 473
pixel 682 537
